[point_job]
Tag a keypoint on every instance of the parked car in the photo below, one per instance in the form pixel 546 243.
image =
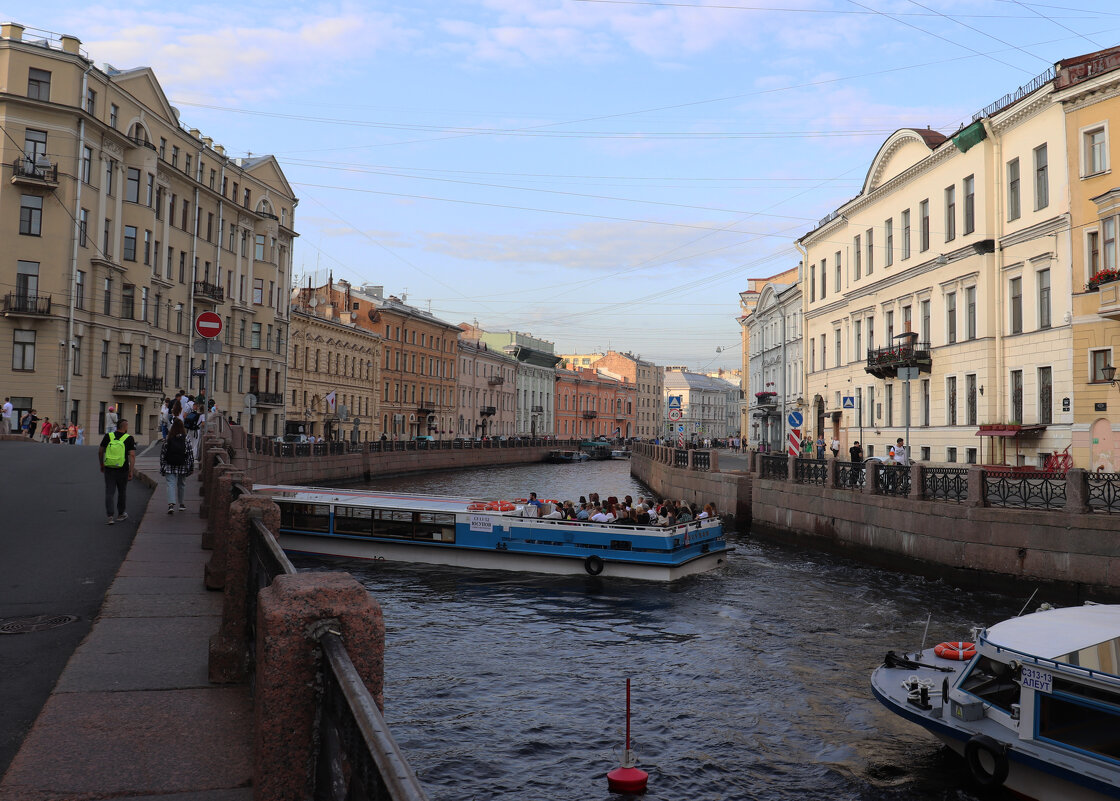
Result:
pixel 424 438
pixel 293 438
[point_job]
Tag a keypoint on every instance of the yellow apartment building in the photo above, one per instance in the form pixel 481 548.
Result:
pixel 119 227
pixel 1088 88
pixel 952 262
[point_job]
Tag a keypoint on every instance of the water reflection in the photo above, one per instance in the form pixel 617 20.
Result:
pixel 750 682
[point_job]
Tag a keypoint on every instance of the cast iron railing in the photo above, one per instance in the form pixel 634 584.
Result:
pixel 137 383
pixel 894 479
pixel 20 303
pixel 810 471
pixel 773 467
pixel 945 483
pixel 680 458
pixel 701 460
pixel 851 475
pixel 1104 492
pixel 1026 490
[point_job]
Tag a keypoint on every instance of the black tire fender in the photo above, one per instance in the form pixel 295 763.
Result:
pixel 593 565
pixel 996 751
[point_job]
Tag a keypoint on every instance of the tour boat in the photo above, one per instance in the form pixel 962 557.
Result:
pixel 620 453
pixel 566 457
pixel 1033 705
pixel 493 535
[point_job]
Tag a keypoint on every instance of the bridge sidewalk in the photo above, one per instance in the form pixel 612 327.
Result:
pixel 133 715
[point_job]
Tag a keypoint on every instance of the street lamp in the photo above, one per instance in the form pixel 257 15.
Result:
pixel 1108 372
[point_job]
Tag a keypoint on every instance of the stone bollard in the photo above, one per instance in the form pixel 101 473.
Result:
pixel 294 612
pixel 691 460
pixel 229 648
pixel 832 479
pixel 217 530
pixel 713 464
pixel 871 477
pixel 977 486
pixel 213 504
pixel 917 482
pixel 791 468
pixel 1077 491
pixel 208 463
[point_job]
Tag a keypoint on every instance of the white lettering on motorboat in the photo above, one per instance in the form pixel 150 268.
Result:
pixel 1037 679
pixel 483 523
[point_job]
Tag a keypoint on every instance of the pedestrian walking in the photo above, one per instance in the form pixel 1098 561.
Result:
pixel 176 462
pixel 32 422
pixel 856 452
pixel 45 430
pixel 835 448
pixel 6 417
pixel 165 418
pixel 72 433
pixel 117 458
pixel 820 448
pixel 111 420
pixel 81 436
pixel 899 454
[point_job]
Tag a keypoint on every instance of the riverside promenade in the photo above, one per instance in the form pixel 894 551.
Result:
pixel 129 712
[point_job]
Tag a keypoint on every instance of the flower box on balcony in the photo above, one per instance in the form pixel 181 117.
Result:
pixel 1102 277
pixel 765 396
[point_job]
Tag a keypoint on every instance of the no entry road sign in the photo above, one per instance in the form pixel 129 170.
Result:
pixel 208 324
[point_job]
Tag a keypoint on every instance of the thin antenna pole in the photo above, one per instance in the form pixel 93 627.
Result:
pixel 926 632
pixel 627 714
pixel 1028 603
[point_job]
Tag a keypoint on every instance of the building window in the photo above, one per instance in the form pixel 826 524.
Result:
pixel 970 455
pixel 27 279
pixel 951 400
pixel 129 243
pixel 148 248
pixel 969 204
pixel 174 155
pixel 258 249
pixel 951 318
pixel 1043 298
pixel 163 148
pixel 970 312
pixel 870 251
pixel 80 290
pixel 924 311
pixel 1017 396
pixel 950 213
pixel 857 254
pixel 128 302
pixel 187 164
pixel 107 297
pixel 132 185
pixel 91 101
pixel 1013 206
pixel 839 352
pixel 836 261
pixel 1015 295
pixel 888 401
pixel 925 403
pixel 970 399
pixel 1041 180
pixel 923 221
pixel 824 278
pixel 38 84
pixel 1108 230
pixel 812 283
pixel 105 359
pixel 258 291
pixel 150 192
pixel 34 146
pixel 31 215
pixel 255 342
pixel 144 303
pixel 23 350
pixel 83 226
pixel 1094 146
pixel 905 233
pixel 114 112
pixel 110 168
pixel 87 164
pixel 1093 251
pixel 1045 395
pixel 1098 360
pixel 76 365
pixel 888 228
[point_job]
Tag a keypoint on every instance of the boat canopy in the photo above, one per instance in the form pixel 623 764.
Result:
pixel 1080 635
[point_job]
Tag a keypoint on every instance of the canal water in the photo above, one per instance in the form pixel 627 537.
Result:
pixel 749 682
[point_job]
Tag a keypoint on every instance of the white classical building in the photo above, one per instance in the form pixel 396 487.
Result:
pixel 536 378
pixel 773 320
pixel 703 405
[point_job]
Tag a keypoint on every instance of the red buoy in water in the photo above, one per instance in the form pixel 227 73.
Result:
pixel 626 778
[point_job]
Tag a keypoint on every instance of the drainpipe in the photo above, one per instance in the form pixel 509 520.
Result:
pixel 997 289
pixel 74 250
pixel 204 383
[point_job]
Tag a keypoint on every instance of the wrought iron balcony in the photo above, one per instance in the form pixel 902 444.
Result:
pixel 885 362
pixel 488 411
pixel 537 410
pixel 424 411
pixel 137 385
pixel 495 380
pixel 16 303
pixel 269 398
pixel 140 142
pixel 34 173
pixel 268 215
pixel 208 291
pixel 590 415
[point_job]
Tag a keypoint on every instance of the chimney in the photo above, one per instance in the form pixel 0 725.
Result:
pixel 195 132
pixel 221 151
pixel 70 44
pixel 206 140
pixel 11 30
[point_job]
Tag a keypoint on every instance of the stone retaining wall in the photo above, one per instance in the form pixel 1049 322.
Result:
pixel 730 492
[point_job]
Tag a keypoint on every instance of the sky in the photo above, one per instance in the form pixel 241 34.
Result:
pixel 599 173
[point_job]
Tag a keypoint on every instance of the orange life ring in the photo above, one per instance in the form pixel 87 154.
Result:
pixel 960 651
pixel 521 500
pixel 477 506
pixel 550 502
pixel 502 506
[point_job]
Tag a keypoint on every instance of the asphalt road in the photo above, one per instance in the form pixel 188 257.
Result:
pixel 57 557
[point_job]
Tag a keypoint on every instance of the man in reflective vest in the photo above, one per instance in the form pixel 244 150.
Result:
pixel 117 457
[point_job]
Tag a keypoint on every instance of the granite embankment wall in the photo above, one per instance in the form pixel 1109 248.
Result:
pixel 272 469
pixel 730 492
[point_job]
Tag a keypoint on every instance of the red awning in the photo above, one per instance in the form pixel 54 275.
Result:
pixel 1012 432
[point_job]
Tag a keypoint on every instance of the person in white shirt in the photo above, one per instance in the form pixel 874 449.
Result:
pixel 6 417
pixel 898 454
pixel 835 448
pixel 600 516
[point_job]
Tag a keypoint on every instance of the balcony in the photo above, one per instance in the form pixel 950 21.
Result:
pixel 16 304
pixel 496 380
pixel 488 411
pixel 206 291
pixel 268 215
pixel 1109 299
pixel 137 385
pixel 269 398
pixel 589 415
pixel 537 410
pixel 39 173
pixel 886 362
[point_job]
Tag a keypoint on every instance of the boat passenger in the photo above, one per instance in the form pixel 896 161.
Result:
pixel 583 513
pixel 685 513
pixel 600 516
pixel 569 510
pixel 555 514
pixel 709 511
pixel 533 500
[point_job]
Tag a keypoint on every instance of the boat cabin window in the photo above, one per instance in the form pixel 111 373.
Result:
pixel 994 682
pixel 353 520
pixel 1103 656
pixel 1081 720
pixel 305 516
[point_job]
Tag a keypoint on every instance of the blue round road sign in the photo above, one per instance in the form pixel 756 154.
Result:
pixel 795 419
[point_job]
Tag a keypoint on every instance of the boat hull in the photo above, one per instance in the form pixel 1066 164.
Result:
pixel 481 559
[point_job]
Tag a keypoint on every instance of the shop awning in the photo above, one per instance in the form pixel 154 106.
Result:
pixel 1012 431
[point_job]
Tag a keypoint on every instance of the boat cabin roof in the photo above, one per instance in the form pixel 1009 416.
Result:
pixel 396 500
pixel 1079 635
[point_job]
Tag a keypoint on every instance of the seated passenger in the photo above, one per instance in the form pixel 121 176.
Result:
pixel 685 513
pixel 555 514
pixel 600 516
pixel 583 513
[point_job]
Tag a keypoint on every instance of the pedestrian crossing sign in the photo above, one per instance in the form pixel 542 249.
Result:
pixel 849 402
pixel 675 401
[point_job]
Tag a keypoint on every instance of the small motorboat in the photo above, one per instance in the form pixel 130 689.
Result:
pixel 565 457
pixel 620 453
pixel 1033 704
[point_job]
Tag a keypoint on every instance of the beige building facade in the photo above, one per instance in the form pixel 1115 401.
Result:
pixel 334 371
pixel 487 389
pixel 954 262
pixel 1089 90
pixel 120 226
